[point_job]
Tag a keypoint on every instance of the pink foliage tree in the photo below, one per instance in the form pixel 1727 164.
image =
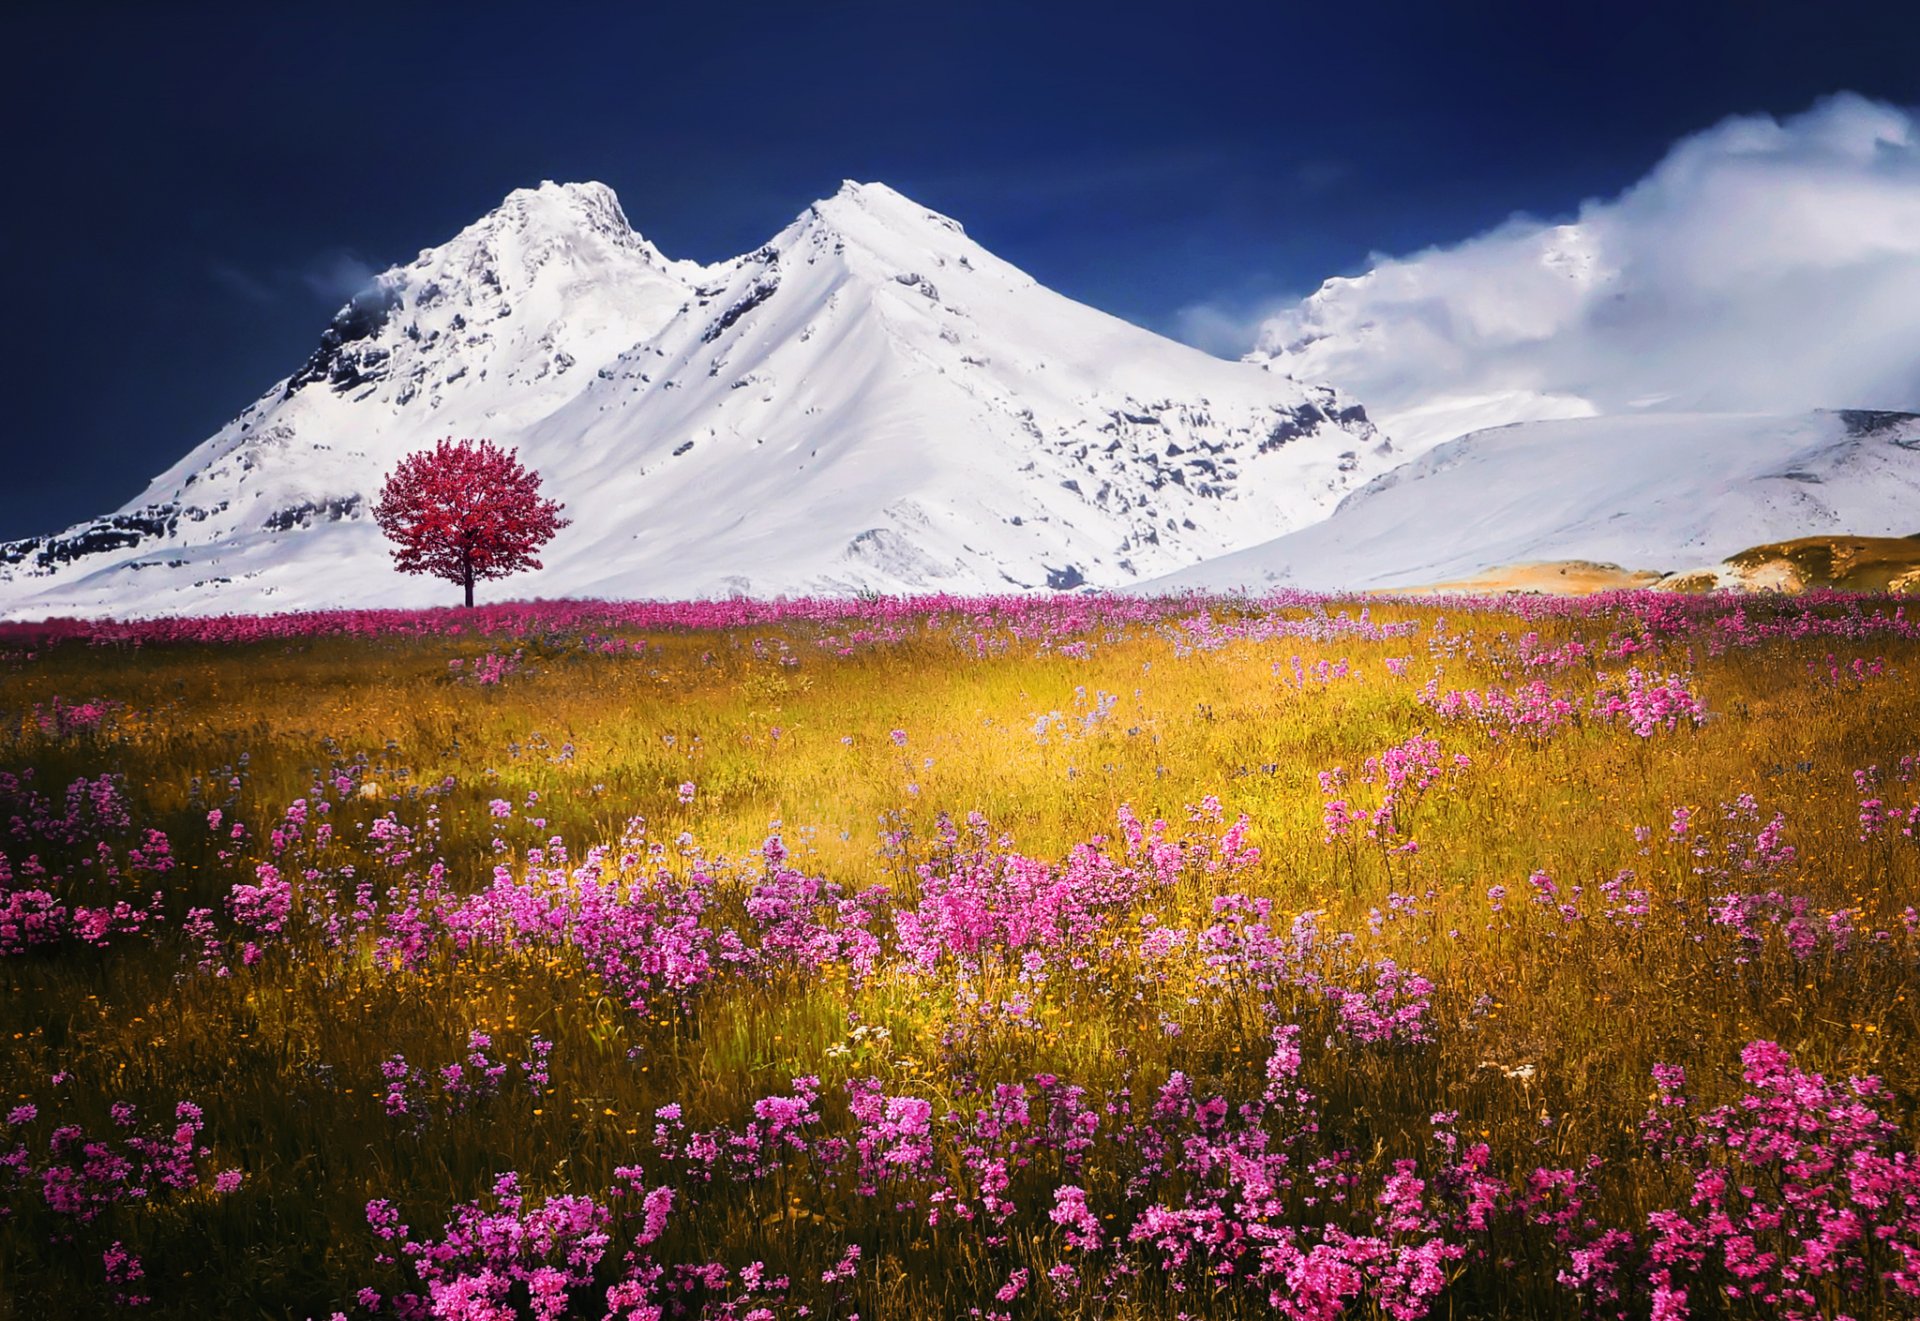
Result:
pixel 465 510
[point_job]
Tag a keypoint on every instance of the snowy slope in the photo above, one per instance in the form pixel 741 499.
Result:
pixel 871 400
pixel 1647 491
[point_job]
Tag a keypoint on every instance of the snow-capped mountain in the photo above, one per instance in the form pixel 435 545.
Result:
pixel 1662 492
pixel 869 401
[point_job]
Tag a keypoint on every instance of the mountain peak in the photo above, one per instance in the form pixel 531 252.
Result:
pixel 862 205
pixel 558 209
pixel 589 191
pixel 553 232
pixel 853 190
pixel 552 275
pixel 871 193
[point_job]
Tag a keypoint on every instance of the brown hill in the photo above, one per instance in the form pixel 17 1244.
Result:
pixel 1854 564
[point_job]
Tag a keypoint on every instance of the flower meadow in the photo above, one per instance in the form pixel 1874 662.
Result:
pixel 985 958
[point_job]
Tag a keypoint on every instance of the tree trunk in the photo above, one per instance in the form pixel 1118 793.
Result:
pixel 467 567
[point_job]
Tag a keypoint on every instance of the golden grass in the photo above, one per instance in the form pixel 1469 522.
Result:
pixel 1546 1033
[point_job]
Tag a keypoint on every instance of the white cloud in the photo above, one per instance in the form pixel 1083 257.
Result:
pixel 1762 265
pixel 338 276
pixel 332 277
pixel 1220 328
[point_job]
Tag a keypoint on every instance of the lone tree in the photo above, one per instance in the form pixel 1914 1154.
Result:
pixel 465 510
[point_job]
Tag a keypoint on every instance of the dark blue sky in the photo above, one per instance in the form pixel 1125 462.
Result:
pixel 193 192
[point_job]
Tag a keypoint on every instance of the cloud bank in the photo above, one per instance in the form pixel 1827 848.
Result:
pixel 1762 266
pixel 332 277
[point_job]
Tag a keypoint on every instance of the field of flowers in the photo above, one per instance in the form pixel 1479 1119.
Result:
pixel 1077 957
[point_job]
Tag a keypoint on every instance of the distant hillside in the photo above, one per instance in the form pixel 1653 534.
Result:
pixel 1656 494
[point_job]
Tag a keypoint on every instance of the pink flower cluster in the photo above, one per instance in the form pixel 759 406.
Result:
pixel 1801 1192
pixel 1649 703
pixel 1533 709
pixel 60 719
pixel 1400 776
pixel 75 868
pixel 77 1177
pixel 423 1095
pixel 487 670
pixel 1798 1193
